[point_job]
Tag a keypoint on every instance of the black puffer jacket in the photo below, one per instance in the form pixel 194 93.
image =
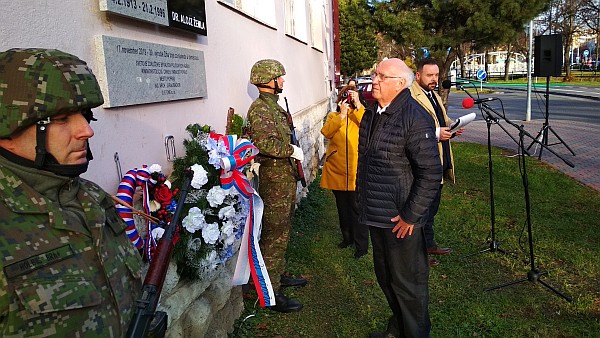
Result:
pixel 399 168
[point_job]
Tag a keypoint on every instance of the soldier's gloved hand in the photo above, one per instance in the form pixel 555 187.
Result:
pixel 298 153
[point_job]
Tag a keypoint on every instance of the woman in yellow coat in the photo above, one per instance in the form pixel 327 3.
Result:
pixel 339 169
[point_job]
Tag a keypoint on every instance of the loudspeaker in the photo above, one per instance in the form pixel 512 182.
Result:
pixel 548 58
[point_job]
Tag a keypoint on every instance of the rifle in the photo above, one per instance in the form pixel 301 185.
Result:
pixel 153 283
pixel 295 142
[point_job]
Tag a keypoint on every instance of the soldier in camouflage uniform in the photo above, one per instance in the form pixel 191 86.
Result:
pixel 68 269
pixel 271 133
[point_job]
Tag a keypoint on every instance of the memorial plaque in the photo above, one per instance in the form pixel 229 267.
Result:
pixel 154 11
pixel 189 15
pixel 137 72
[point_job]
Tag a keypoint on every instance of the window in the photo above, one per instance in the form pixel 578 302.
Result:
pixel 317 19
pixel 261 10
pixel 295 19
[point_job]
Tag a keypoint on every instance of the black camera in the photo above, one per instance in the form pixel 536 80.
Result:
pixel 347 98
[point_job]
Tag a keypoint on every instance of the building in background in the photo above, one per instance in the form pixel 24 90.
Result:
pixel 164 64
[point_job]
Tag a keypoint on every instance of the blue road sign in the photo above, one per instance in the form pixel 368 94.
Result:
pixel 586 53
pixel 481 74
pixel 425 51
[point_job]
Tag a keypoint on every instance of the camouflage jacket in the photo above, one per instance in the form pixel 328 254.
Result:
pixel 270 130
pixel 64 274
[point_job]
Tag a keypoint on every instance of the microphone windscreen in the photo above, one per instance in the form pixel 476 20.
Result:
pixel 446 84
pixel 468 103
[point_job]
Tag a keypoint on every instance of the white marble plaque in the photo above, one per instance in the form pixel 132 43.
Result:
pixel 154 11
pixel 137 72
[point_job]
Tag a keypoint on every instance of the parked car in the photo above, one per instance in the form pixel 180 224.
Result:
pixel 366 87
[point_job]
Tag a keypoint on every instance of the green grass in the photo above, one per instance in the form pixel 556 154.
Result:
pixel 344 300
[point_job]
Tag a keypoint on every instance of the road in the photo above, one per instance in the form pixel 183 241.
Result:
pixel 514 102
pixel 574 119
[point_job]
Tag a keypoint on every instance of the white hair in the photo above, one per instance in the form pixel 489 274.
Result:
pixel 407 74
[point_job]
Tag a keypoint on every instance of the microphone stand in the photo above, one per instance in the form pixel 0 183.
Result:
pixel 494 245
pixel 533 275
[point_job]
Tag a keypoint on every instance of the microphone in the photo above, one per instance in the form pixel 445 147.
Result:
pixel 469 102
pixel 446 84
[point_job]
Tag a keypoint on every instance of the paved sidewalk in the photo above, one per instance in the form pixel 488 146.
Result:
pixel 582 138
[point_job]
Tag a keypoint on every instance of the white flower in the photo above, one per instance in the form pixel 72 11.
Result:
pixel 228 233
pixel 200 176
pixel 210 144
pixel 216 195
pixel 214 159
pixel 158 232
pixel 227 212
pixel 153 206
pixel 211 233
pixel 155 168
pixel 194 221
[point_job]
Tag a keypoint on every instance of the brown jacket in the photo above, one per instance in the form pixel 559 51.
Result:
pixel 419 95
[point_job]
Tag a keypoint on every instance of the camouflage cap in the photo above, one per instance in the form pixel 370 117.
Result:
pixel 39 83
pixel 264 71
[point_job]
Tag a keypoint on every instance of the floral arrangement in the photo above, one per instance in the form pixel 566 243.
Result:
pixel 212 218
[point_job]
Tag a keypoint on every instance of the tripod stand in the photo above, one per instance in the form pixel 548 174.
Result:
pixel 494 245
pixel 543 133
pixel 534 275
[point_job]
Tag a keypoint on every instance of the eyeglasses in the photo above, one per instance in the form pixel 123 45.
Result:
pixel 382 77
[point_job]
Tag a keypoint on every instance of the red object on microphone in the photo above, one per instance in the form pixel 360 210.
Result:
pixel 468 103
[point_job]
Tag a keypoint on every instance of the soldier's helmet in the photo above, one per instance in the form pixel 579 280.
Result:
pixel 39 83
pixel 264 71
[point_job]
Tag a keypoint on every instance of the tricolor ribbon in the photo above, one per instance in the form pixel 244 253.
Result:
pixel 131 180
pixel 250 260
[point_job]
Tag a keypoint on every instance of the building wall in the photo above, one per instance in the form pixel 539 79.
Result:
pixel 234 42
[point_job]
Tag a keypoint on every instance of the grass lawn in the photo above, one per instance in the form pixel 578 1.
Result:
pixel 343 299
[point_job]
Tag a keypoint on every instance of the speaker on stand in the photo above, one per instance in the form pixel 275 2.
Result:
pixel 548 60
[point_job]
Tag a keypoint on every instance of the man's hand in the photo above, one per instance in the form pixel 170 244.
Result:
pixel 445 133
pixel 402 227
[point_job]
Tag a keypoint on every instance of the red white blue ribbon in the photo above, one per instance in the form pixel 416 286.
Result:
pixel 133 179
pixel 250 260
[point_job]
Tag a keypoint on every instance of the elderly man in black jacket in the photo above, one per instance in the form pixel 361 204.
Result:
pixel 399 173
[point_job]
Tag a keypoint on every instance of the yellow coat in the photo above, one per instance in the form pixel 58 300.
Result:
pixel 341 158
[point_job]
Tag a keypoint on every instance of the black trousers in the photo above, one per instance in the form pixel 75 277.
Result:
pixel 352 230
pixel 433 210
pixel 402 271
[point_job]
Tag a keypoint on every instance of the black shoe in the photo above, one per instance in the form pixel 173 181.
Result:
pixel 344 244
pixel 287 281
pixel 286 305
pixel 359 254
pixel 381 335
